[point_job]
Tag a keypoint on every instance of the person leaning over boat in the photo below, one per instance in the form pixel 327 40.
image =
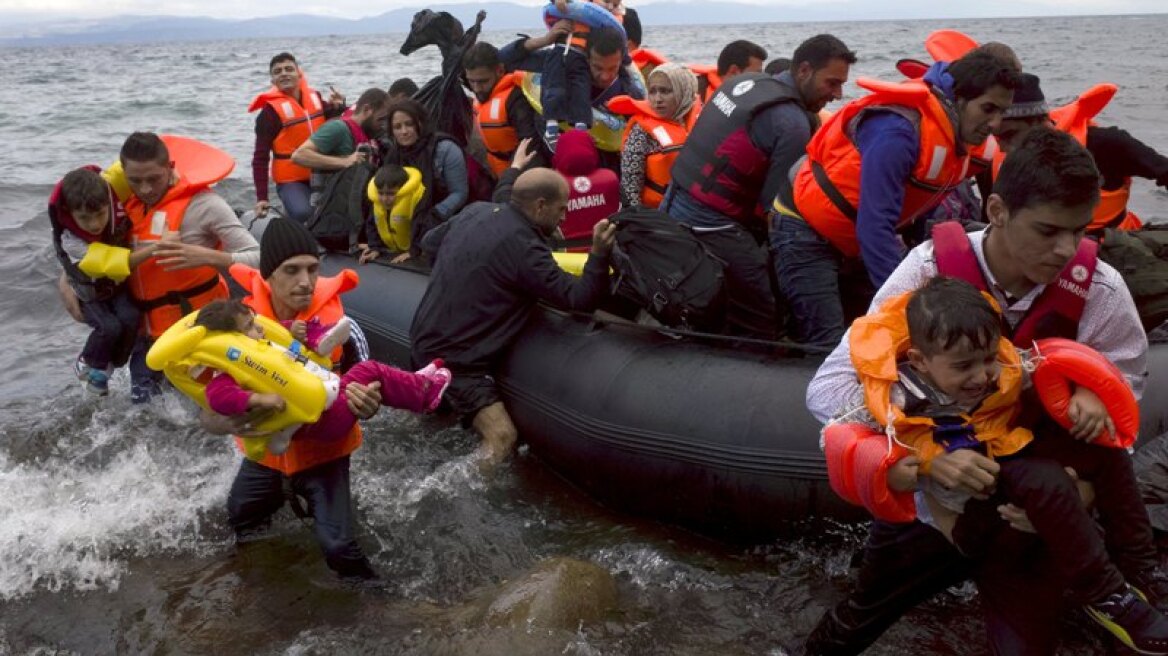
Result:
pixel 288 287
pixel 503 115
pixel 655 133
pixel 881 162
pixel 493 267
pixel 184 273
pixel 736 157
pixel 335 146
pixel 1035 263
pixel 290 112
pixel 1119 155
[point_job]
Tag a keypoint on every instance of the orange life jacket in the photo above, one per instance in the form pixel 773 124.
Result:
pixel 710 73
pixel 1075 118
pixel 167 296
pixel 326 306
pixel 644 59
pixel 827 185
pixel 671 135
pixel 494 125
pixel 880 340
pixel 298 120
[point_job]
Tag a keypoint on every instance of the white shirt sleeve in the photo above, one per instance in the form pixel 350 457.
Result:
pixel 1111 325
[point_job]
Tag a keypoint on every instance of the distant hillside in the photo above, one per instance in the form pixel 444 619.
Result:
pixel 500 15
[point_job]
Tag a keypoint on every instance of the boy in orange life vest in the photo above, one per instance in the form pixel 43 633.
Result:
pixel 91 239
pixel 959 386
pixel 503 115
pixel 593 192
pixel 290 111
pixel 1041 204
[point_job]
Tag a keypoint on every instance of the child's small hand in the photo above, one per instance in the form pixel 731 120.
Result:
pixel 299 330
pixel 902 475
pixel 266 402
pixel 1088 416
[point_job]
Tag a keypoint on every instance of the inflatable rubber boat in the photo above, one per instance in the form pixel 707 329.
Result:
pixel 691 433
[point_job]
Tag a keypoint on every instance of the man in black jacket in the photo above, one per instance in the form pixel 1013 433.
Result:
pixel 493 266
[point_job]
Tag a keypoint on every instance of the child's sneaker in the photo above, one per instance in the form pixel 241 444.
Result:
pixel 437 382
pixel 582 126
pixel 81 370
pixel 97 382
pixel 551 135
pixel 1133 620
pixel 429 369
pixel 333 337
pixel 1153 585
pixel 278 442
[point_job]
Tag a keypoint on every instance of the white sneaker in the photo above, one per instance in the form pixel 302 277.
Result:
pixel 337 335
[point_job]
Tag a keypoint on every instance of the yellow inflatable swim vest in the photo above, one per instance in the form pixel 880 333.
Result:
pixel 186 353
pixel 394 226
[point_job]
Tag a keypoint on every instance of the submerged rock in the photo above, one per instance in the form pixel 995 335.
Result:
pixel 559 593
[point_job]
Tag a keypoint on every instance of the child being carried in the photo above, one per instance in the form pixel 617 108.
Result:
pixel 417 392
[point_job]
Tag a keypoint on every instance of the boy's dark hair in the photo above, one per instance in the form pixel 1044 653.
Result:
pixel 777 65
pixel 632 25
pixel 222 314
pixel 481 55
pixel 948 310
pixel 1048 167
pixel 372 97
pixel 390 176
pixel 403 86
pixel 819 50
pixel 739 53
pixel 282 57
pixel 84 190
pixel 605 41
pixel 144 147
pixel 979 70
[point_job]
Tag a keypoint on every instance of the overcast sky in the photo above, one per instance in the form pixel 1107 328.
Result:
pixel 69 9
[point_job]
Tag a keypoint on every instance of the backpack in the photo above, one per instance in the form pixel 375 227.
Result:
pixel 662 267
pixel 340 211
pixel 1141 257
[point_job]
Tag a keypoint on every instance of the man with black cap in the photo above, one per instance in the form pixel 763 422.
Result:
pixel 1119 156
pixel 288 287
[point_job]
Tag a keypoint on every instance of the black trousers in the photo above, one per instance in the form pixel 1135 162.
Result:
pixel 258 492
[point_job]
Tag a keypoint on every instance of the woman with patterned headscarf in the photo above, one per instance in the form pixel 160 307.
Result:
pixel 656 131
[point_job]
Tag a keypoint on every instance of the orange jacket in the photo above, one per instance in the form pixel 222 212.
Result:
pixel 645 60
pixel 879 340
pixel 326 306
pixel 298 120
pixel 710 73
pixel 827 185
pixel 494 125
pixel 671 135
pixel 167 296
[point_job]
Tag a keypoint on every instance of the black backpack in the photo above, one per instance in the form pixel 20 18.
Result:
pixel 662 267
pixel 340 212
pixel 1141 257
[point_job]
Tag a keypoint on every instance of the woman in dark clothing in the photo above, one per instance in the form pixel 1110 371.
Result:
pixel 413 142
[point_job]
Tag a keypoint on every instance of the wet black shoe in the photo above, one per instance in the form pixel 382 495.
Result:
pixel 1132 620
pixel 1153 583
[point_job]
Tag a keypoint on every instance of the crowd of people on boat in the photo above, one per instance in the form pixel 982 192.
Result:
pixel 928 233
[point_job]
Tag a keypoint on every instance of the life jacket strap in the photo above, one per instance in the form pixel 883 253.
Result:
pixel 181 298
pixel 833 194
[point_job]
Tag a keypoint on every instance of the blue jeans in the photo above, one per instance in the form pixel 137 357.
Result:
pixel 144 381
pixel 259 491
pixel 807 268
pixel 566 87
pixel 295 197
pixel 115 330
